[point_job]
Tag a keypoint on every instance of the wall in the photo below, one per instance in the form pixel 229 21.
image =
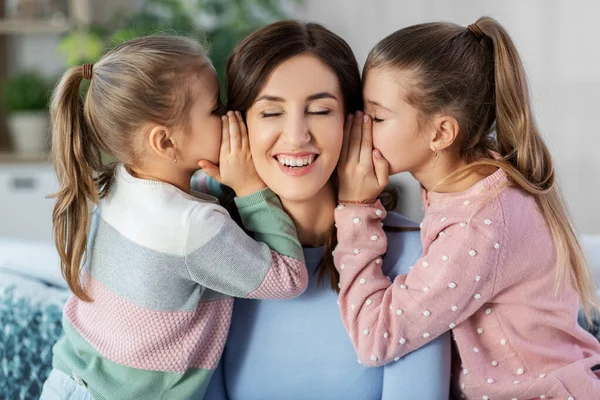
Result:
pixel 557 41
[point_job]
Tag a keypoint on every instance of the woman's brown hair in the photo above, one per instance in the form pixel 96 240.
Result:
pixel 475 74
pixel 259 54
pixel 145 80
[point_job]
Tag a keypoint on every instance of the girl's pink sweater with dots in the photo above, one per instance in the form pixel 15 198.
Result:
pixel 488 273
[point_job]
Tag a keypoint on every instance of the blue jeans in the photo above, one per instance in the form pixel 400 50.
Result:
pixel 60 386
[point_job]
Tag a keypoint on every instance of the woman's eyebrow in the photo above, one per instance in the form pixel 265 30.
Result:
pixel 270 98
pixel 321 95
pixel 316 96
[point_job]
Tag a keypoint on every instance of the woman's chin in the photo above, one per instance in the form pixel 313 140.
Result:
pixel 296 192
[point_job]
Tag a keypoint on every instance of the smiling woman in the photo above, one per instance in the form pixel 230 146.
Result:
pixel 295 83
pixel 300 115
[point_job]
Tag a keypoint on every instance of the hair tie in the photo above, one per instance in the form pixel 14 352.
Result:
pixel 476 30
pixel 87 71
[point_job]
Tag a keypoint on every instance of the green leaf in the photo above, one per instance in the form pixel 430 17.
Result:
pixel 81 47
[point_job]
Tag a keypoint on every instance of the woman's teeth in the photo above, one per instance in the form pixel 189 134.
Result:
pixel 295 161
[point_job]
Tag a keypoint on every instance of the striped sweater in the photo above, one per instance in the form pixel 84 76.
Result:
pixel 163 266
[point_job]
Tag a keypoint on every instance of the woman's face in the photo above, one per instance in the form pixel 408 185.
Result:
pixel 296 127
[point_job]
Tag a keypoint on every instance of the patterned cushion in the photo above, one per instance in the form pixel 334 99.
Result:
pixel 30 324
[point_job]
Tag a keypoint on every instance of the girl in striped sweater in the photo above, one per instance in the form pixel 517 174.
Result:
pixel 149 316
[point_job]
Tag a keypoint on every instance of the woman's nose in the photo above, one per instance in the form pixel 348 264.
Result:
pixel 296 132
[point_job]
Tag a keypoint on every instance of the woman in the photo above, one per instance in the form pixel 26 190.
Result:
pixel 295 83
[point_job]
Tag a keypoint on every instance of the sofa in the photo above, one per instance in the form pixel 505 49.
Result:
pixel 32 293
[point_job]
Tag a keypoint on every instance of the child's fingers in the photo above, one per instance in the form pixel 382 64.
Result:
pixel 355 139
pixel 366 144
pixel 225 145
pixel 382 168
pixel 210 169
pixel 234 132
pixel 243 131
pixel 346 142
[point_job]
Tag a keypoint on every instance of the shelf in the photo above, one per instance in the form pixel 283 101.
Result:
pixel 32 26
pixel 7 157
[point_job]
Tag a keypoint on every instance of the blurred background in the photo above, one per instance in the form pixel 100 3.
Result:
pixel 39 38
pixel 558 42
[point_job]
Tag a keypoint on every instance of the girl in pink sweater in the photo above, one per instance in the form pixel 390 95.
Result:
pixel 501 264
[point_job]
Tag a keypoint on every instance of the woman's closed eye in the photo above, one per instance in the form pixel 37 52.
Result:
pixel 270 114
pixel 319 112
pixel 273 114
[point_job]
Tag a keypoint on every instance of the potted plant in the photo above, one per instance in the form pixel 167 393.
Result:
pixel 26 96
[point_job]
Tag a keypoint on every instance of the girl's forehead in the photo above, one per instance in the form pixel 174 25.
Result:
pixel 385 87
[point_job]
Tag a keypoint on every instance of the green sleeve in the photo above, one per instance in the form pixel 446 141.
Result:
pixel 263 215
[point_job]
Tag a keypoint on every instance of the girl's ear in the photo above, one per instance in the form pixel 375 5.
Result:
pixel 162 142
pixel 446 131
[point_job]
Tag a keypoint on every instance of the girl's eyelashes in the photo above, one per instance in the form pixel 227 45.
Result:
pixel 374 118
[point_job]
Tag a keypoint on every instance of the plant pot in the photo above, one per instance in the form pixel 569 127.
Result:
pixel 29 131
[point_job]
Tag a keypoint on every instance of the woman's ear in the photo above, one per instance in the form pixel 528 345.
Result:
pixel 446 132
pixel 162 142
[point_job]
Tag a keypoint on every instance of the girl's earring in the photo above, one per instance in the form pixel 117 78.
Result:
pixel 435 154
pixel 175 160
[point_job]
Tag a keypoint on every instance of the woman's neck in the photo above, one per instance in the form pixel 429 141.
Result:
pixel 313 217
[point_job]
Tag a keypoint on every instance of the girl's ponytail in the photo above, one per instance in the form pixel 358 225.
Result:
pixel 519 141
pixel 76 158
pixel 520 145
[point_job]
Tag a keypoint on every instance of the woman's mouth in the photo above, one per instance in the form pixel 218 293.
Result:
pixel 296 165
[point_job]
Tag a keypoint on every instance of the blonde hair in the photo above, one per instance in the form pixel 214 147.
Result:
pixel 145 80
pixel 476 75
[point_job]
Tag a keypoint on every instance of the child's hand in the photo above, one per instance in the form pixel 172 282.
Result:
pixel 363 172
pixel 236 168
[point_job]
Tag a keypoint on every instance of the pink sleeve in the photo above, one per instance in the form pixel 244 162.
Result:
pixel 286 278
pixel 387 320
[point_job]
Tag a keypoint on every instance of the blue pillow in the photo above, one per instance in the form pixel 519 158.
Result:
pixel 28 330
